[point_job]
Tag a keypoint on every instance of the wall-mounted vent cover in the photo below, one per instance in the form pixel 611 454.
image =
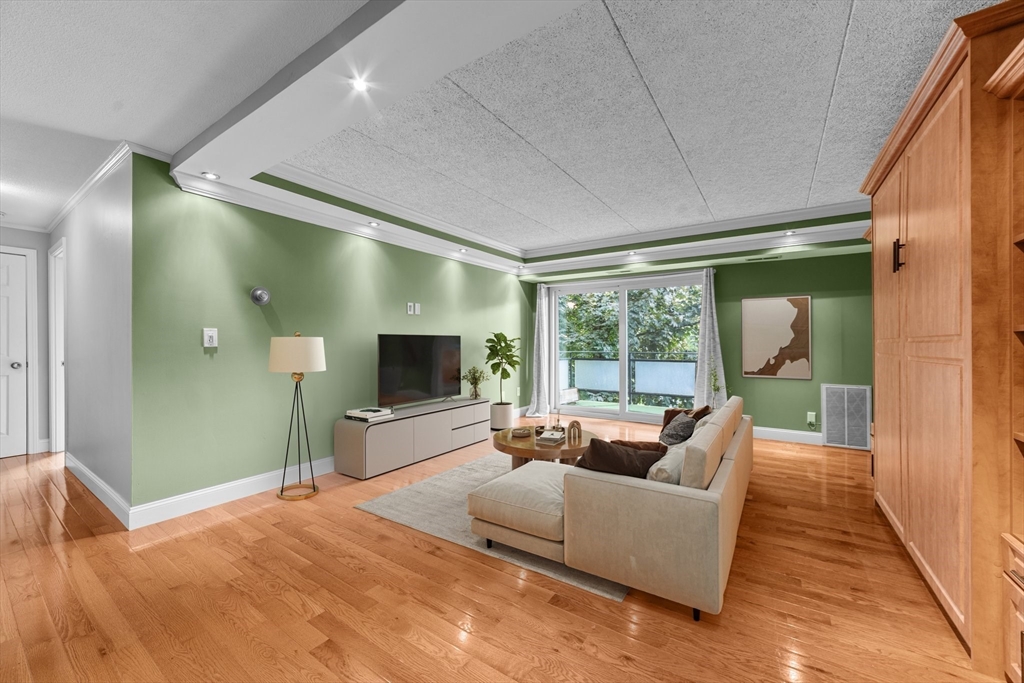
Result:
pixel 846 415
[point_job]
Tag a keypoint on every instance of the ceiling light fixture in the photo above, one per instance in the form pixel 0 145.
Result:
pixel 463 250
pixel 373 224
pixel 632 253
pixel 359 85
pixel 210 175
pixel 790 233
pixel 520 267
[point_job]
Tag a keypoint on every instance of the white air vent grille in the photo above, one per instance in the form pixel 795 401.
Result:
pixel 846 415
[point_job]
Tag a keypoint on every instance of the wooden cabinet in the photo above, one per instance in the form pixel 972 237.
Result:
pixel 942 216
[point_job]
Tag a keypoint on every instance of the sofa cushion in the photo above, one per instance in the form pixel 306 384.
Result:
pixel 528 499
pixel 729 416
pixel 692 463
pixel 602 456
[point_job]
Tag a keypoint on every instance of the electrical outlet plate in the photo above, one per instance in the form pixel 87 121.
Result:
pixel 417 309
pixel 812 418
pixel 210 337
pixel 410 308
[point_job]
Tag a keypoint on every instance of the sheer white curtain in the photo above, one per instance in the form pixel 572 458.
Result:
pixel 709 350
pixel 539 402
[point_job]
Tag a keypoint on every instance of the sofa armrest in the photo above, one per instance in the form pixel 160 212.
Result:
pixel 661 538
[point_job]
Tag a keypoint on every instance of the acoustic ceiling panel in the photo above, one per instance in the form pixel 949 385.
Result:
pixel 572 90
pixel 744 87
pixel 874 83
pixel 354 160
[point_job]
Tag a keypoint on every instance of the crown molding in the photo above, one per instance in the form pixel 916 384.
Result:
pixel 712 247
pixel 633 242
pixel 1008 80
pixel 19 226
pixel 148 152
pixel 991 18
pixel 122 153
pixel 263 197
pixel 316 182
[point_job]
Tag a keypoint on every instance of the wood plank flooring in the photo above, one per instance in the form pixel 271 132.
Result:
pixel 265 590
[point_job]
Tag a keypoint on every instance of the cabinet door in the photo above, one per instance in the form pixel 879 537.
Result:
pixel 936 366
pixel 886 228
pixel 389 445
pixel 433 434
pixel 1013 628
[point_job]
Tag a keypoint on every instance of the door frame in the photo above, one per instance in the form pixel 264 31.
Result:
pixel 58 250
pixel 35 444
pixel 623 284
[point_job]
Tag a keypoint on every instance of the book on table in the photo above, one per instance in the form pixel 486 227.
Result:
pixel 551 438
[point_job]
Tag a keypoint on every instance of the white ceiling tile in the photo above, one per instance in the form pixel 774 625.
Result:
pixel 572 91
pixel 354 160
pixel 744 87
pixel 888 47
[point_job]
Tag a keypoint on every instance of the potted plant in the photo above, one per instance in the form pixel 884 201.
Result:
pixel 475 376
pixel 503 355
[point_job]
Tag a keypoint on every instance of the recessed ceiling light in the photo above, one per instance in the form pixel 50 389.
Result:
pixel 463 250
pixel 790 233
pixel 373 224
pixel 520 267
pixel 210 175
pixel 632 253
pixel 359 85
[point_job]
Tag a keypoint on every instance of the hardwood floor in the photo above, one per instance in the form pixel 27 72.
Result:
pixel 266 590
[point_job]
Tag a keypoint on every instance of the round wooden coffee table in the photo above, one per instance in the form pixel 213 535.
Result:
pixel 523 449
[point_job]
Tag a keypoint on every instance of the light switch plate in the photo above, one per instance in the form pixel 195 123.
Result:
pixel 410 308
pixel 210 337
pixel 417 309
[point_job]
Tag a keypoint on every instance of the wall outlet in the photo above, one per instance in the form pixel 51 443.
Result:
pixel 812 418
pixel 517 391
pixel 210 337
pixel 417 309
pixel 410 308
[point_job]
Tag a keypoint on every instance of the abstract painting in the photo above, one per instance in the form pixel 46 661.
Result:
pixel 777 337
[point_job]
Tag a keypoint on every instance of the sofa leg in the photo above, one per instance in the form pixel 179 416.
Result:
pixel 696 614
pixel 489 543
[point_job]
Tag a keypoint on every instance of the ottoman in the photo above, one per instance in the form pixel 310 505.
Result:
pixel 523 509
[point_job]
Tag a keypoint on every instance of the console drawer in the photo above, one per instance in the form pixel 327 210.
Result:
pixel 463 436
pixel 463 416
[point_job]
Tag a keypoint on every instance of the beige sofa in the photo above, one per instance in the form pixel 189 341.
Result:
pixel 675 540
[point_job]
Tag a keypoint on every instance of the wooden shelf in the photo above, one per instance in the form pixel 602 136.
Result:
pixel 1019 329
pixel 1018 239
pixel 1018 437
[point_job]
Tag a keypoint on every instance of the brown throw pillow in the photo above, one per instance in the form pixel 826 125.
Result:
pixel 603 456
pixel 699 413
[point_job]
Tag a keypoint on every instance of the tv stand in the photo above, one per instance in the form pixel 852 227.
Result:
pixel 366 449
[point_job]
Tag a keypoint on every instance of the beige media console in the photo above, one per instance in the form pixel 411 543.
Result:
pixel 366 449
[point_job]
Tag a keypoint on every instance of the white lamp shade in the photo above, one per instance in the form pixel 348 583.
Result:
pixel 297 354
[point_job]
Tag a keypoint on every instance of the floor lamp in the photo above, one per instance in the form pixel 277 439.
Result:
pixel 297 355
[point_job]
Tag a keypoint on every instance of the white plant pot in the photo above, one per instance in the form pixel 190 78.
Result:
pixel 501 415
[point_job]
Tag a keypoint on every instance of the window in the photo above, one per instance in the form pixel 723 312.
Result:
pixel 655 320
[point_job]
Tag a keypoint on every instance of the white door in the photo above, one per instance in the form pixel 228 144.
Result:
pixel 13 355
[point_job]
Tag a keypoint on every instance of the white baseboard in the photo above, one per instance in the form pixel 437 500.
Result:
pixel 790 435
pixel 521 412
pixel 108 496
pixel 135 517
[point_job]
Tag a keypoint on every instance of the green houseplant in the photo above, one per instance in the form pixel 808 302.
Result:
pixel 475 376
pixel 503 355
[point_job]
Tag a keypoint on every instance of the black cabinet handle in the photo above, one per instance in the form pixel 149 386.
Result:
pixel 896 262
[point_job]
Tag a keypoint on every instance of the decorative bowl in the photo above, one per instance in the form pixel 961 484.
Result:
pixel 521 432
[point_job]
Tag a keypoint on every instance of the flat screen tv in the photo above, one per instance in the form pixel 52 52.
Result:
pixel 417 367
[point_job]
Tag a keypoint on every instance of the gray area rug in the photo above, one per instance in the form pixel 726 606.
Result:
pixel 437 506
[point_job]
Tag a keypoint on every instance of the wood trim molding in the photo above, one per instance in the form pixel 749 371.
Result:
pixel 991 18
pixel 1008 80
pixel 948 58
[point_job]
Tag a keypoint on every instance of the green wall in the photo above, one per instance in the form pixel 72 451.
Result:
pixel 840 290
pixel 203 417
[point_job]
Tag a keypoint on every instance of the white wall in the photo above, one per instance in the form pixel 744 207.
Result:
pixel 99 329
pixel 40 241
